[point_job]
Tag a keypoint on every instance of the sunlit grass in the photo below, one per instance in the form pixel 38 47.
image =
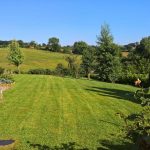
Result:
pixel 34 59
pixel 50 110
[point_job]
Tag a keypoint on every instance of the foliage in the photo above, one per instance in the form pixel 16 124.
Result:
pixel 73 65
pixel 15 54
pixel 129 78
pixel 1 70
pixel 53 44
pixel 33 44
pixel 6 78
pixel 67 49
pixel 143 96
pixel 144 47
pixel 108 62
pixel 105 37
pixel 79 47
pixel 89 61
pixel 137 126
pixel 4 43
pixel 61 70
pixel 116 72
pixel 40 71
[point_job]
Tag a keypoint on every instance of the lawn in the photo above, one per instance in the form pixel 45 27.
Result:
pixel 48 111
pixel 34 59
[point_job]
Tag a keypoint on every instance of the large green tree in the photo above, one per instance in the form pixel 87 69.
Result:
pixel 15 55
pixel 53 44
pixel 143 51
pixel 108 62
pixel 144 47
pixel 89 61
pixel 79 47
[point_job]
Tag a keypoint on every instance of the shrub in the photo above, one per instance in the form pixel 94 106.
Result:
pixel 2 70
pixel 6 78
pixel 61 70
pixel 130 78
pixel 40 71
pixel 137 125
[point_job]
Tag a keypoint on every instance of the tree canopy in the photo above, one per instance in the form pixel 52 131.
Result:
pixel 79 47
pixel 53 44
pixel 15 54
pixel 107 56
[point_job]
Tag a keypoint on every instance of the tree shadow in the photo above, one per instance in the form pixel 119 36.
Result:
pixel 63 146
pixel 105 145
pixel 109 145
pixel 115 93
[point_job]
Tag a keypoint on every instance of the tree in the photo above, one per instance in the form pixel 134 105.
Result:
pixel 21 43
pixel 144 47
pixel 32 44
pixel 89 61
pixel 142 52
pixel 79 47
pixel 53 44
pixel 73 65
pixel 108 53
pixel 105 37
pixel 15 54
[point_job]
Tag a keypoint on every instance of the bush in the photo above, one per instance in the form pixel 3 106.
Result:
pixel 130 78
pixel 2 70
pixel 61 70
pixel 40 71
pixel 6 78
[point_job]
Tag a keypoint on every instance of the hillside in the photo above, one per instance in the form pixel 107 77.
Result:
pixel 34 59
pixel 48 110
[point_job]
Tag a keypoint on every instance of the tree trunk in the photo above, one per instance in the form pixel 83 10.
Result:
pixel 89 76
pixel 18 68
pixel 76 75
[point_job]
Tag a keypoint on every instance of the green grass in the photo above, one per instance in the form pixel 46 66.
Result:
pixel 34 59
pixel 50 110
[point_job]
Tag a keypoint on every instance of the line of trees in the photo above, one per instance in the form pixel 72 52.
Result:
pixel 103 61
pixel 107 63
pixel 53 45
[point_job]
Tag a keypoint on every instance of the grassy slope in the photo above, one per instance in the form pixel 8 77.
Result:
pixel 52 110
pixel 34 59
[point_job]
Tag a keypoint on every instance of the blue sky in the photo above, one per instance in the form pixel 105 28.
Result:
pixel 74 20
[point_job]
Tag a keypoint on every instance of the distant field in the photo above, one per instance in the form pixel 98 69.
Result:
pixel 34 59
pixel 48 110
pixel 125 54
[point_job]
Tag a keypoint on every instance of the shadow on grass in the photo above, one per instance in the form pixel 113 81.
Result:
pixel 108 145
pixel 63 146
pixel 115 93
pixel 105 145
